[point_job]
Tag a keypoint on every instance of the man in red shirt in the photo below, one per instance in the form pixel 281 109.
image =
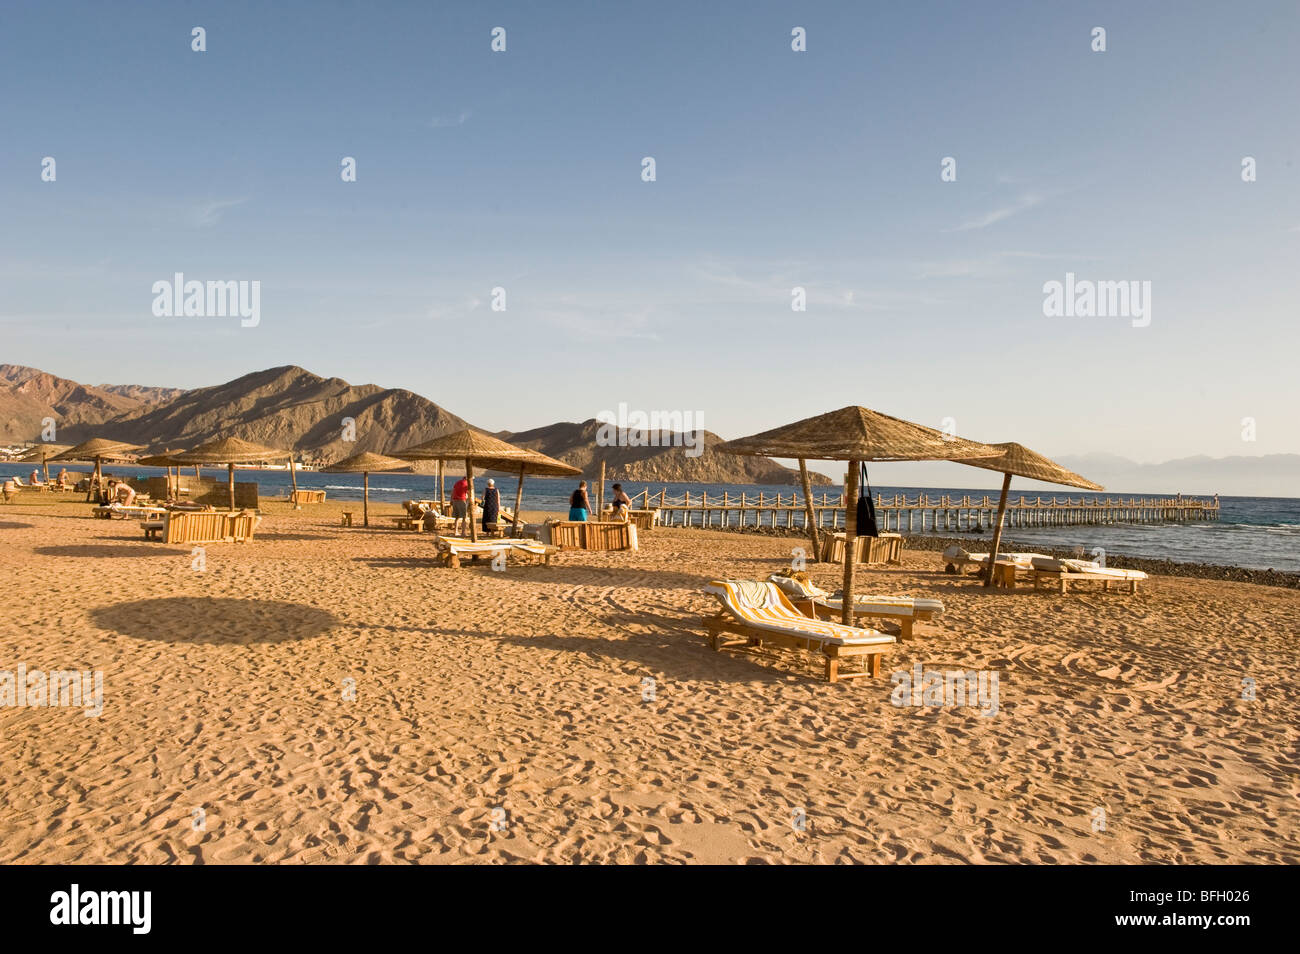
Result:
pixel 460 506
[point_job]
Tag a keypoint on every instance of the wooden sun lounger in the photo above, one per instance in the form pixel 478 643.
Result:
pixel 133 511
pixel 1062 573
pixel 956 559
pixel 758 612
pixel 903 611
pixel 452 549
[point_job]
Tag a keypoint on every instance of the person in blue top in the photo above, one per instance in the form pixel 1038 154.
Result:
pixel 579 504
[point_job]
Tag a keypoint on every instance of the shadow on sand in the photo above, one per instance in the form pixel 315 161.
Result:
pixel 202 619
pixel 96 550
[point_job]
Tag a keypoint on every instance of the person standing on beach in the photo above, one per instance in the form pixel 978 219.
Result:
pixel 460 506
pixel 579 503
pixel 491 507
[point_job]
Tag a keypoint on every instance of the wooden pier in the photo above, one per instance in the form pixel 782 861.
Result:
pixel 922 513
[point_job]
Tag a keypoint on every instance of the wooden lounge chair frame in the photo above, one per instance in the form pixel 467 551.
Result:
pixel 1063 579
pixel 754 637
pixel 816 609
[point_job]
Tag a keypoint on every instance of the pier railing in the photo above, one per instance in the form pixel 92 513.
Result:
pixel 921 513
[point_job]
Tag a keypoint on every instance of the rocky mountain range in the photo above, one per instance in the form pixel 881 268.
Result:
pixel 328 419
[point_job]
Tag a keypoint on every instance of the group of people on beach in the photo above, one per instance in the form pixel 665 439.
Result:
pixel 579 505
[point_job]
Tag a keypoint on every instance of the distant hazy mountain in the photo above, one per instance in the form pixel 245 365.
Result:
pixel 142 394
pixel 28 396
pixel 653 456
pixel 1269 475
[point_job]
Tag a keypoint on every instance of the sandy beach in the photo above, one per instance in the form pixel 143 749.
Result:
pixel 507 716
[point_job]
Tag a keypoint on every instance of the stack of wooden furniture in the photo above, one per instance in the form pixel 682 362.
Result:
pixel 203 526
pixel 886 548
pixel 590 534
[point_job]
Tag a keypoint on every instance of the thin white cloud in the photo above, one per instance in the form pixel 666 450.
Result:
pixel 210 212
pixel 1022 204
pixel 444 122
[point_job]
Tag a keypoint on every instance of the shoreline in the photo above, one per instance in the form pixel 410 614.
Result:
pixel 1203 571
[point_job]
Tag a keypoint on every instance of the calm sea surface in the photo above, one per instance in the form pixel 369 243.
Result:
pixel 1254 532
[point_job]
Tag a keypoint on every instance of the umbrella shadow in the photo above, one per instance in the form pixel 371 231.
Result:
pixel 13 525
pixel 214 620
pixel 99 551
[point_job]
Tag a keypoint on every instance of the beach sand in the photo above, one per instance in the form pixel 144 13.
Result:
pixel 502 716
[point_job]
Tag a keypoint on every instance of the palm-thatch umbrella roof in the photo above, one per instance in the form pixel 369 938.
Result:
pixel 853 434
pixel 468 444
pixel 42 452
pixel 1018 460
pixel 857 433
pixel 99 449
pixel 231 451
pixel 483 450
pixel 164 458
pixel 366 464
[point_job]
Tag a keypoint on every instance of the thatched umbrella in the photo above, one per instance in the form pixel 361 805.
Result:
pixel 855 434
pixel 366 464
pixel 43 454
pixel 230 451
pixel 474 447
pixel 1019 460
pixel 99 450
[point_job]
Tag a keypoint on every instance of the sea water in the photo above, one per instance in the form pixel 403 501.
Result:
pixel 1254 532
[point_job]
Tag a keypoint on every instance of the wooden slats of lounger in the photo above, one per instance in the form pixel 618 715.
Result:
pixel 902 610
pixel 1064 572
pixel 760 613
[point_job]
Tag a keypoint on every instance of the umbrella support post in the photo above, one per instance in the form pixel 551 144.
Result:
pixel 469 477
pixel 293 478
pixel 997 531
pixel 519 501
pixel 808 507
pixel 850 533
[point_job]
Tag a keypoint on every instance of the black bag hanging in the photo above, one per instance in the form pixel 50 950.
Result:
pixel 866 506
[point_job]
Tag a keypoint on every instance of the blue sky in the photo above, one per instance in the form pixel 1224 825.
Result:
pixel 774 169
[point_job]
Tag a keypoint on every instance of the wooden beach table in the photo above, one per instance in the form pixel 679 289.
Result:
pixel 307 496
pixel 452 549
